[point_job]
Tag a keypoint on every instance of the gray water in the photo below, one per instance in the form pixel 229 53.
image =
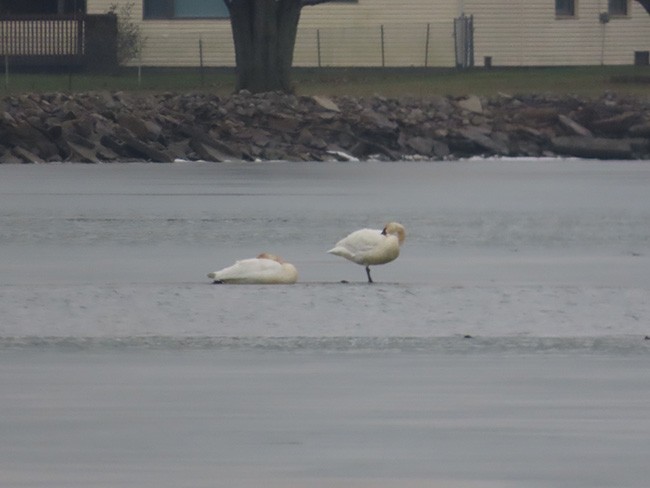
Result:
pixel 504 347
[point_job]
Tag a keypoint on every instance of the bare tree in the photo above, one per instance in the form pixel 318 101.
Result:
pixel 264 32
pixel 130 40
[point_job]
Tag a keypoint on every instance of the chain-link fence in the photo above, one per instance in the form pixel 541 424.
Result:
pixel 387 45
pixel 26 42
pixel 390 45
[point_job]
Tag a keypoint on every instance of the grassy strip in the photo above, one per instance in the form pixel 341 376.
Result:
pixel 416 82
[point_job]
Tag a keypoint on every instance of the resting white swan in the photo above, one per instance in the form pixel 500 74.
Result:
pixel 371 246
pixel 265 269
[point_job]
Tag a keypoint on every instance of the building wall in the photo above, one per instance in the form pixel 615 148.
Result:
pixel 511 32
pixel 175 43
pixel 350 34
pixel 527 33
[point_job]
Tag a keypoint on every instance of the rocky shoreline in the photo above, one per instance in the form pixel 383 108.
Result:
pixel 100 127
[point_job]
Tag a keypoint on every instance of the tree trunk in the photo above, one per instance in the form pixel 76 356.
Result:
pixel 645 4
pixel 264 33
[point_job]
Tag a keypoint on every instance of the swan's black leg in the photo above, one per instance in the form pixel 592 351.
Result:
pixel 368 273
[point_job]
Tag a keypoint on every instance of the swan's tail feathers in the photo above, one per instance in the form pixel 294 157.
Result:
pixel 340 251
pixel 213 275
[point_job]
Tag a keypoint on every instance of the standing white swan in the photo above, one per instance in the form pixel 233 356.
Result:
pixel 265 269
pixel 371 246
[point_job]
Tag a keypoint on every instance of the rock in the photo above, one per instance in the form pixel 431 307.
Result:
pixel 148 151
pixel 616 125
pixel 260 137
pixel 421 145
pixel 573 126
pixel 79 141
pixel 82 154
pixel 306 138
pixel 441 150
pixel 207 152
pixel 119 126
pixel 23 134
pixel 533 116
pixel 10 158
pixel 593 147
pixel 142 149
pixel 105 154
pixel 326 103
pixel 378 121
pixel 140 128
pixel 274 154
pixel 284 122
pixel 111 143
pixel 640 130
pixel 471 104
pixel 342 156
pixel 26 155
pixel 476 136
pixel 207 139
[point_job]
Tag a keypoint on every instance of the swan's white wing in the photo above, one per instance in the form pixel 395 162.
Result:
pixel 367 247
pixel 249 271
pixel 358 243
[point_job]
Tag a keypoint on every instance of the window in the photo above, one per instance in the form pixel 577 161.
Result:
pixel 37 7
pixel 617 8
pixel 565 8
pixel 184 9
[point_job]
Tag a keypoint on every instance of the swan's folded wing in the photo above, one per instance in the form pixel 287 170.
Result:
pixel 247 270
pixel 360 241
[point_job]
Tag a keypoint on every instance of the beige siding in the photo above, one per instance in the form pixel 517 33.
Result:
pixel 626 35
pixel 350 35
pixel 527 33
pixel 415 33
pixel 175 43
pixel 413 44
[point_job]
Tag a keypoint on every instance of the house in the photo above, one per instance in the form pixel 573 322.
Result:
pixel 368 33
pixel 559 32
pixel 340 33
pixel 419 33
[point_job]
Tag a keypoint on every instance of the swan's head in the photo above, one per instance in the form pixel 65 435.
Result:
pixel 267 255
pixel 395 229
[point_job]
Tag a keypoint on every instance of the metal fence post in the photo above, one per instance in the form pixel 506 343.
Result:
pixel 426 46
pixel 201 59
pixel 383 52
pixel 318 47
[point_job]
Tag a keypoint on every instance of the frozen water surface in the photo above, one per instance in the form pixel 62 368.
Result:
pixel 504 348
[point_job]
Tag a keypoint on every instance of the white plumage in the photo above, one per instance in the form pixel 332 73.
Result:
pixel 265 269
pixel 371 246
